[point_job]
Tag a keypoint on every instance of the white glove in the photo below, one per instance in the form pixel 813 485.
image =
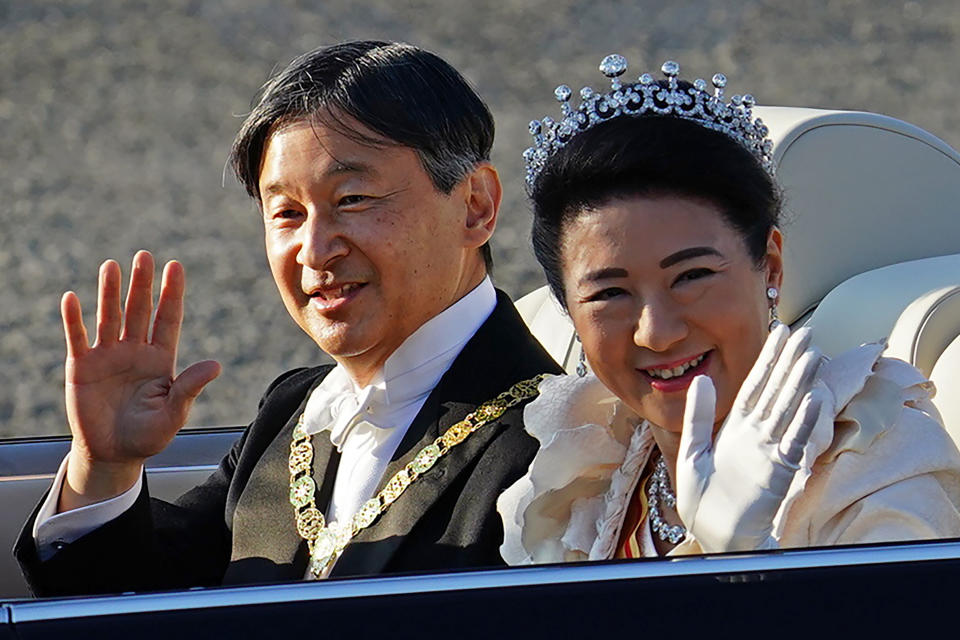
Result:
pixel 729 488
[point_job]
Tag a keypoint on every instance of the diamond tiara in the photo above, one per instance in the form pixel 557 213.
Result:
pixel 648 97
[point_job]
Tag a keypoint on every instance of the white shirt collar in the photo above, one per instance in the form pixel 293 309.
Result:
pixel 407 377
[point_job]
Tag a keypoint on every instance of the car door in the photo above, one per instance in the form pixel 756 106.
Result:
pixel 27 466
pixel 859 591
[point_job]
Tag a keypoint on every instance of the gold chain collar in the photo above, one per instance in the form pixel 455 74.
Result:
pixel 327 541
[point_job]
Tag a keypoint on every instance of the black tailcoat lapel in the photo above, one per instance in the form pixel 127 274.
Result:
pixel 501 353
pixel 266 544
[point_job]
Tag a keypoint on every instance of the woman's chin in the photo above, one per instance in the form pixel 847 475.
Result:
pixel 670 419
pixel 666 419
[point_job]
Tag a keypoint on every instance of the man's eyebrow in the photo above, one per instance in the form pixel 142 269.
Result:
pixel 273 188
pixel 344 166
pixel 687 254
pixel 337 168
pixel 602 274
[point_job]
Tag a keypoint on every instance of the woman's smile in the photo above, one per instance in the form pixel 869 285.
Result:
pixel 676 376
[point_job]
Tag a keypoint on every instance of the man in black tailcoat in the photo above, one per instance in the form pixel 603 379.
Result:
pixel 370 164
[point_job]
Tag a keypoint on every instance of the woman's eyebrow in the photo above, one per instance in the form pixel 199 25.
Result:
pixel 687 254
pixel 601 274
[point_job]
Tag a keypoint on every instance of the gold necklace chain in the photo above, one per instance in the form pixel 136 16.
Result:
pixel 327 541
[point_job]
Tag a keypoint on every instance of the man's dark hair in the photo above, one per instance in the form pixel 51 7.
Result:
pixel 650 156
pixel 405 94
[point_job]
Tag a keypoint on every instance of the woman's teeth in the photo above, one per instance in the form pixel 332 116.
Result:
pixel 666 374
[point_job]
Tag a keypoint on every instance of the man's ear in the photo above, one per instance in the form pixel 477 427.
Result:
pixel 483 194
pixel 774 258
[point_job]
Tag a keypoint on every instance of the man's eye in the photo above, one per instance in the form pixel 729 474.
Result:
pixel 694 274
pixel 346 201
pixel 287 214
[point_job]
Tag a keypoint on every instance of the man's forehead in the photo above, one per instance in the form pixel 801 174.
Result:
pixel 330 149
pixel 333 128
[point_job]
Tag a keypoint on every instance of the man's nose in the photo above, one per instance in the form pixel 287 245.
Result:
pixel 321 241
pixel 660 325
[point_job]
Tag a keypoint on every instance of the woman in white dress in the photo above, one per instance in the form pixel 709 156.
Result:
pixel 702 425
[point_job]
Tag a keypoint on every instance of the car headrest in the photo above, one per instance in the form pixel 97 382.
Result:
pixel 926 327
pixel 861 191
pixel 551 325
pixel 866 307
pixel 946 377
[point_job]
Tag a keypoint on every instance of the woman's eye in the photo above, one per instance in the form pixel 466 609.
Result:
pixel 605 294
pixel 694 274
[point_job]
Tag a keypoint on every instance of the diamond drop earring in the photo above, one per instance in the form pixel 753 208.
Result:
pixel 773 294
pixel 582 364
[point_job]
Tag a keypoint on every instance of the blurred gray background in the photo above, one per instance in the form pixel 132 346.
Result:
pixel 116 117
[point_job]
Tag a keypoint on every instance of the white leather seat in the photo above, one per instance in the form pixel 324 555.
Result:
pixel 863 192
pixel 946 377
pixel 902 302
pixel 549 323
pixel 927 335
pixel 928 325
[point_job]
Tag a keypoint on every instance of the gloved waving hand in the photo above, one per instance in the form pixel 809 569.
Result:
pixel 730 487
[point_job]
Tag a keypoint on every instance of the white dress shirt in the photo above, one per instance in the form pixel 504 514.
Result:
pixel 366 424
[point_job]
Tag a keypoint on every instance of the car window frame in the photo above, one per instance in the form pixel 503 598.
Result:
pixel 737 567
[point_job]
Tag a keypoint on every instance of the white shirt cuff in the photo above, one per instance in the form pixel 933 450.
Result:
pixel 53 531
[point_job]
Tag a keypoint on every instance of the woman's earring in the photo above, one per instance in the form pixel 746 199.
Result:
pixel 773 294
pixel 582 365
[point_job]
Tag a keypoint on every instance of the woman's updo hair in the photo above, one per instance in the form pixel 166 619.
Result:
pixel 650 156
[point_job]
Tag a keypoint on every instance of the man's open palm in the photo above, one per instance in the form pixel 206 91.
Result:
pixel 123 402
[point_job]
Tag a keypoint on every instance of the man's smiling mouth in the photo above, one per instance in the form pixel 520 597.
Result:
pixel 335 293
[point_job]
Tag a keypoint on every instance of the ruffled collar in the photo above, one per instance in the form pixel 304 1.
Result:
pixel 584 433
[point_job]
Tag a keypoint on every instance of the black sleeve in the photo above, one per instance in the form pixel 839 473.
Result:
pixel 156 544
pixel 145 548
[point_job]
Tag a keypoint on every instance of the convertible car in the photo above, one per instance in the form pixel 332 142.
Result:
pixel 873 251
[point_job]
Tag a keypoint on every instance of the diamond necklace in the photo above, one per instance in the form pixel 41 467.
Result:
pixel 659 491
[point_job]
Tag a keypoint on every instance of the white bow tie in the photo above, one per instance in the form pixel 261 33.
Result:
pixel 339 410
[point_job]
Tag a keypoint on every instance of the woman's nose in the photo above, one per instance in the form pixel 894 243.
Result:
pixel 659 326
pixel 321 240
